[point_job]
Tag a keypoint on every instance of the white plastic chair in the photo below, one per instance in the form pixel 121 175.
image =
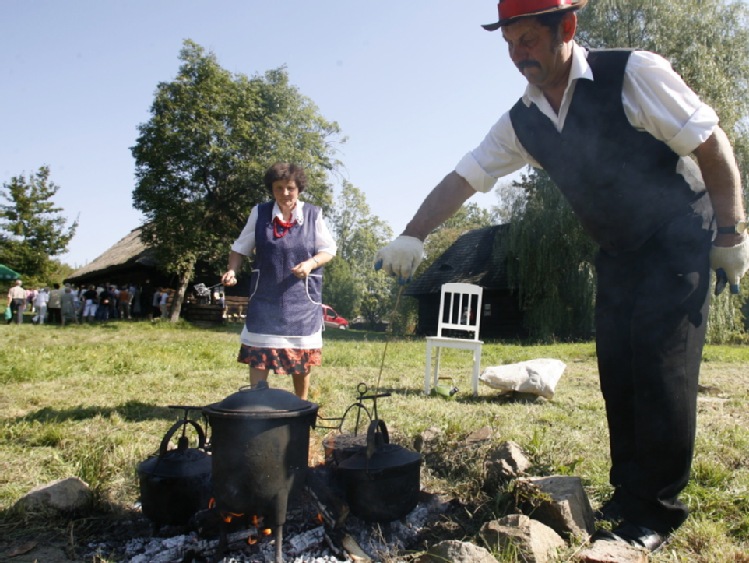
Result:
pixel 460 314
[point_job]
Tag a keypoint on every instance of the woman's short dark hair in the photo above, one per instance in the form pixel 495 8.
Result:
pixel 285 171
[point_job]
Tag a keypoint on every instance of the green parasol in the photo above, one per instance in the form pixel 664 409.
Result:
pixel 8 274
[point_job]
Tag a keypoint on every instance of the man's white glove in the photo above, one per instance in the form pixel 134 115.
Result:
pixel 732 260
pixel 401 257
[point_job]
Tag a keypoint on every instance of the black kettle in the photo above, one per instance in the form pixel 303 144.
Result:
pixel 175 484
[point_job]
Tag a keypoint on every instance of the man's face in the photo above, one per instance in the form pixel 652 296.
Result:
pixel 537 51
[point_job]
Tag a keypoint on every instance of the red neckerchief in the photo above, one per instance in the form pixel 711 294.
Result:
pixel 280 228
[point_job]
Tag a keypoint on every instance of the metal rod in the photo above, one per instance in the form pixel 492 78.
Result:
pixel 279 543
pixel 389 337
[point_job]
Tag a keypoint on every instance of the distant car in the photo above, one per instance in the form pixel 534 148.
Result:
pixel 333 319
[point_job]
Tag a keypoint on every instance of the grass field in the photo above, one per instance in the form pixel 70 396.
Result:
pixel 92 401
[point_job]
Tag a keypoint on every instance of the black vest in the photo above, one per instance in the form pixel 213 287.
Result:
pixel 621 183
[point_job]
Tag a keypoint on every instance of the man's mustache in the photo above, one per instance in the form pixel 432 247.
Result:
pixel 527 64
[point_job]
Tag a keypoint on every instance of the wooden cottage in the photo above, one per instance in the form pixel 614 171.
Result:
pixel 128 261
pixel 477 257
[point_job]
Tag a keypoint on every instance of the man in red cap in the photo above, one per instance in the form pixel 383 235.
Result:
pixel 615 130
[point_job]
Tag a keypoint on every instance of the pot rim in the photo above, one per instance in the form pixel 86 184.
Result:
pixel 213 411
pixel 260 402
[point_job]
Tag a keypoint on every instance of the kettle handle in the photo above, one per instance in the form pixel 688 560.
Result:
pixel 176 426
pixel 372 442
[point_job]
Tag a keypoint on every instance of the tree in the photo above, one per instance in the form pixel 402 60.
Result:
pixel 350 279
pixel 201 157
pixel 551 263
pixel 32 228
pixel 470 216
pixel 713 58
pixel 379 299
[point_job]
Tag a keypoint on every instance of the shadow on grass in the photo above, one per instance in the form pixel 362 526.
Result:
pixel 512 397
pixel 132 411
pixel 349 335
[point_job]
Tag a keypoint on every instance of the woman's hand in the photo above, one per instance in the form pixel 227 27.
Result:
pixel 303 269
pixel 229 278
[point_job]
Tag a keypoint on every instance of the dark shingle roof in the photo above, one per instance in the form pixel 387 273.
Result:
pixel 476 257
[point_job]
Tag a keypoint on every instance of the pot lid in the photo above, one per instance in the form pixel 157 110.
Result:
pixel 261 401
pixel 386 456
pixel 177 463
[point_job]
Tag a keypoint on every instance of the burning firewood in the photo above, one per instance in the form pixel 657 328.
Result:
pixel 333 509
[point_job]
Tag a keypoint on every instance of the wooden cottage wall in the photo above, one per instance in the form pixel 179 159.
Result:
pixel 501 316
pixel 504 319
pixel 429 306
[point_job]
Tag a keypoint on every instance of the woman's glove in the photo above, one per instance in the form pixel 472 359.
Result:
pixel 400 258
pixel 733 260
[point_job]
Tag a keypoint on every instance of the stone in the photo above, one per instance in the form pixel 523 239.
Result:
pixel 64 496
pixel 612 552
pixel 534 541
pixel 426 440
pixel 558 501
pixel 457 551
pixel 483 434
pixel 505 462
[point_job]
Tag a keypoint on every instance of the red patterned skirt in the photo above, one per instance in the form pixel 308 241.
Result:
pixel 281 360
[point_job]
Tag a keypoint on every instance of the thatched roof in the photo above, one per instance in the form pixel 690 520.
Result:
pixel 476 257
pixel 127 254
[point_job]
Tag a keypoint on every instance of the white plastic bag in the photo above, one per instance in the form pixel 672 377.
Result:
pixel 539 377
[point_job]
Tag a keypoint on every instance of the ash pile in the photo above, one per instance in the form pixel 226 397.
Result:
pixel 307 540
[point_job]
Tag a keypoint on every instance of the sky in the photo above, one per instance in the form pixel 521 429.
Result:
pixel 413 85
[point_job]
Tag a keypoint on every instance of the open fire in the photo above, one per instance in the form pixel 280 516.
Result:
pixel 309 535
pixel 262 487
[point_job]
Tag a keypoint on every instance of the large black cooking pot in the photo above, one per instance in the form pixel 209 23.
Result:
pixel 382 480
pixel 175 484
pixel 259 446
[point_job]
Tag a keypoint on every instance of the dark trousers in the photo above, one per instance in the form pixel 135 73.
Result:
pixel 54 316
pixel 651 315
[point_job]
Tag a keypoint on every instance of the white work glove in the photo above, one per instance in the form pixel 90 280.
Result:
pixel 400 258
pixel 732 260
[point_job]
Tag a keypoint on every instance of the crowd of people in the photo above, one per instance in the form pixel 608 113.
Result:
pixel 69 303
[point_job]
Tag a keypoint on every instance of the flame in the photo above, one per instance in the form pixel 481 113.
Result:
pixel 319 518
pixel 212 503
pixel 229 516
pixel 256 521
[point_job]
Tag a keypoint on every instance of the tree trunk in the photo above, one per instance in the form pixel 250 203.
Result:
pixel 179 296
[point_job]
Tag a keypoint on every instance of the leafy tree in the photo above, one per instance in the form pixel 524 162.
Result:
pixel 32 228
pixel 358 233
pixel 713 58
pixel 349 279
pixel 509 195
pixel 379 299
pixel 201 157
pixel 552 259
pixel 341 290
pixel 470 216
